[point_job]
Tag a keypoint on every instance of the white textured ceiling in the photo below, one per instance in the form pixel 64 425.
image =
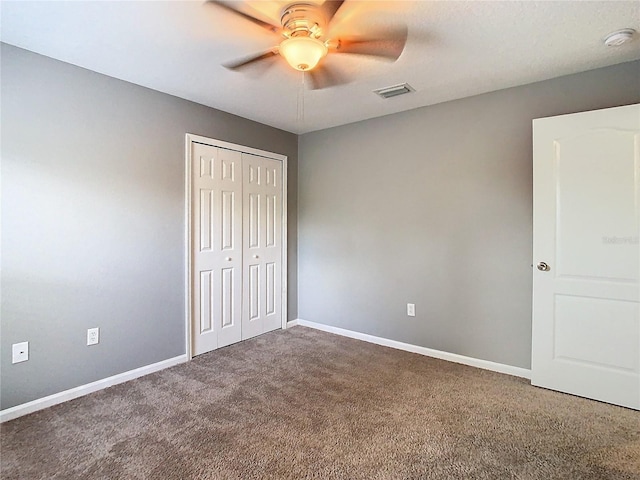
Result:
pixel 455 49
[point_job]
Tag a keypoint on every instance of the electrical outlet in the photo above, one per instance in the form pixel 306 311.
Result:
pixel 19 352
pixel 93 336
pixel 411 309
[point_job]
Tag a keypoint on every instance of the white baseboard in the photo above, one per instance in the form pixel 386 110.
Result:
pixel 45 402
pixel 429 352
pixel 56 398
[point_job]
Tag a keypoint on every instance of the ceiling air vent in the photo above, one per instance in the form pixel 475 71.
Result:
pixel 394 91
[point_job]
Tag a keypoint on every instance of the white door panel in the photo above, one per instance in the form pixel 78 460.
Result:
pixel 262 245
pixel 217 258
pixel 596 204
pixel 586 307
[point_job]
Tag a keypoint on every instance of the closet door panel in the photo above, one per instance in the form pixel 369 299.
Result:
pixel 216 199
pixel 262 253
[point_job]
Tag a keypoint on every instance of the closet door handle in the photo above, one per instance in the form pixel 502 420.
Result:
pixel 255 256
pixel 228 259
pixel 543 267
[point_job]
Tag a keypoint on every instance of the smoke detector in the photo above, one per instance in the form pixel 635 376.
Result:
pixel 619 37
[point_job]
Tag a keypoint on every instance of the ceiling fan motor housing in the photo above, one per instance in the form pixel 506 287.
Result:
pixel 302 20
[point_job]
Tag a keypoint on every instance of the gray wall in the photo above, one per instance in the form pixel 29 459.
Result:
pixel 434 207
pixel 93 220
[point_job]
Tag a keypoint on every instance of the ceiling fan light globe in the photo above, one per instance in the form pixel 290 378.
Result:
pixel 303 53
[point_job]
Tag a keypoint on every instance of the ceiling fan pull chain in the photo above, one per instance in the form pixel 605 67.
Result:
pixel 300 103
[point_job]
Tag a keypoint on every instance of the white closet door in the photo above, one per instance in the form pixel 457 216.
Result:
pixel 217 247
pixel 586 284
pixel 262 252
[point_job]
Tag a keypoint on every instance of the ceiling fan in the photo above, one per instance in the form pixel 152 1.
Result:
pixel 305 39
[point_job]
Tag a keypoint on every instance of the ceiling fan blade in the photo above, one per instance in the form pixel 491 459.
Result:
pixel 245 62
pixel 329 9
pixel 388 45
pixel 266 25
pixel 324 77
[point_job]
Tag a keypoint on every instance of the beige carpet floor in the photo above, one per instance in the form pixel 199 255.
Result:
pixel 306 404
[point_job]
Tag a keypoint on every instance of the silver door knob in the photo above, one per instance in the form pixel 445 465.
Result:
pixel 228 259
pixel 255 256
pixel 543 267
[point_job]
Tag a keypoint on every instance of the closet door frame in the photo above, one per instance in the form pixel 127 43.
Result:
pixel 190 139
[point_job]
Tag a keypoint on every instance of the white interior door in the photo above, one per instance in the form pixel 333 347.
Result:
pixel 262 271
pixel 217 247
pixel 586 300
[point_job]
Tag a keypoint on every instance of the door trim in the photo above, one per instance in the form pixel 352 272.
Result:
pixel 190 139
